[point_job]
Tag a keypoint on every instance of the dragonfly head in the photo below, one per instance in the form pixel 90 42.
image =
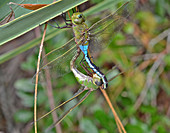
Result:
pixel 97 80
pixel 78 18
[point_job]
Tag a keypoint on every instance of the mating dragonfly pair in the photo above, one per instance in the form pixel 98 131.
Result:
pixel 88 41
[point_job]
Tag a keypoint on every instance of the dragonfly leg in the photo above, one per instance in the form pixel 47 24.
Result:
pixel 65 20
pixel 91 57
pixel 54 26
pixel 85 68
pixel 82 60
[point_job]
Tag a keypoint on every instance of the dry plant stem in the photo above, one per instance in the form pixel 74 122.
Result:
pixel 118 122
pixel 168 44
pixel 159 37
pixel 50 96
pixel 36 82
pixel 77 10
pixel 154 67
pixel 69 15
pixel 149 81
pixel 119 128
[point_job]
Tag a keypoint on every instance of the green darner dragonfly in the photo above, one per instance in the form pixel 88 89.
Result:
pixel 88 83
pixel 88 40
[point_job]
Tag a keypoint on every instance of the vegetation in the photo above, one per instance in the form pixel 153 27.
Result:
pixel 140 51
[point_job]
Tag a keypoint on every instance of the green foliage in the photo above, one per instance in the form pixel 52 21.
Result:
pixel 24 85
pixel 134 128
pixel 129 50
pixel 137 83
pixel 23 116
pixel 88 126
pixel 31 20
pixel 29 64
pixel 129 28
pixel 147 25
pixel 105 120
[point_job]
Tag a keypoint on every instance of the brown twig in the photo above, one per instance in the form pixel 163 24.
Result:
pixel 168 44
pixel 36 82
pixel 159 37
pixel 118 122
pixel 69 15
pixel 8 18
pixel 155 66
pixel 149 81
pixel 50 96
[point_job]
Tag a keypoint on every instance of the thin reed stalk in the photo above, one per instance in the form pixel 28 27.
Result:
pixel 36 80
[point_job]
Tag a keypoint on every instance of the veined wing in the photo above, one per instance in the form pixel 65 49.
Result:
pixel 103 31
pixel 58 60
pixel 112 75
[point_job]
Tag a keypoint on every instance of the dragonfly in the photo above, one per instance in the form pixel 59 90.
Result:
pixel 88 40
pixel 89 84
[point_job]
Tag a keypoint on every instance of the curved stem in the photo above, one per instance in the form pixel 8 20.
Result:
pixel 118 122
pixel 36 83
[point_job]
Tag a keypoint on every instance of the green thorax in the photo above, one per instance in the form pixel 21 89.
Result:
pixel 79 27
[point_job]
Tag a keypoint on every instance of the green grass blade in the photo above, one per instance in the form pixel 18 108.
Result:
pixel 27 46
pixel 100 7
pixel 31 20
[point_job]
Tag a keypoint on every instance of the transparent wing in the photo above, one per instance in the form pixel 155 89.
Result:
pixel 103 31
pixel 111 74
pixel 68 111
pixel 58 60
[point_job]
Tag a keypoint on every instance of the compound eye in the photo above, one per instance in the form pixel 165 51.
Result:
pixel 98 83
pixel 97 80
pixel 80 16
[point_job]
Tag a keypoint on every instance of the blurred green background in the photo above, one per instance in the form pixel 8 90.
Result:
pixel 140 95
